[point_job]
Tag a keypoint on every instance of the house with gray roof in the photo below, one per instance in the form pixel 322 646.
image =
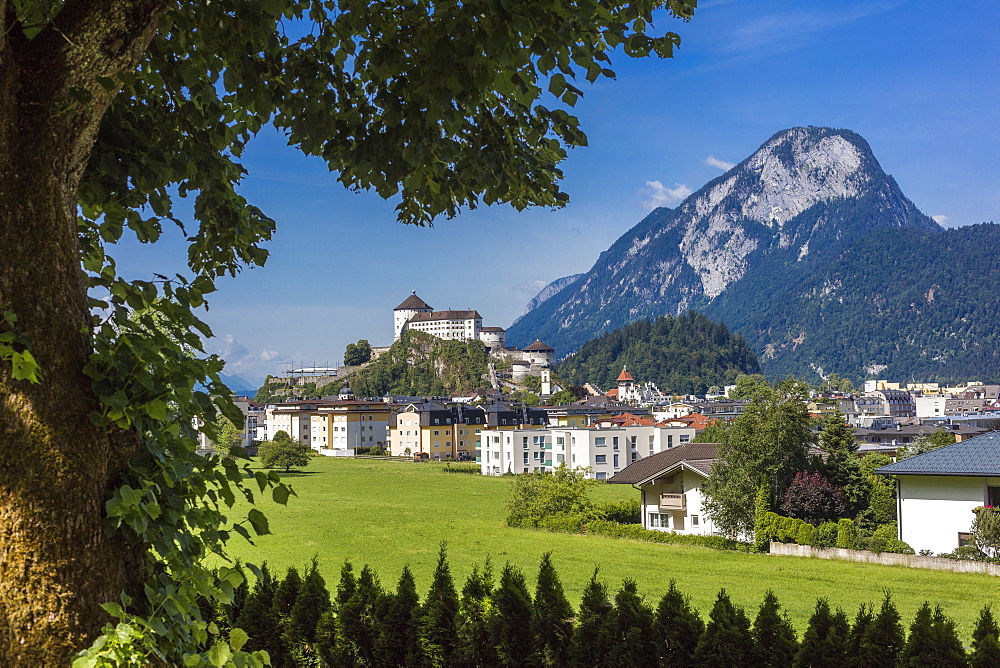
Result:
pixel 937 491
pixel 669 483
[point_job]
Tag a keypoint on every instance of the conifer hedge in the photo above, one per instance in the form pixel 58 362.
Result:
pixel 300 622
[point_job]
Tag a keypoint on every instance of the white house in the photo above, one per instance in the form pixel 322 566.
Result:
pixel 605 451
pixel 670 484
pixel 938 490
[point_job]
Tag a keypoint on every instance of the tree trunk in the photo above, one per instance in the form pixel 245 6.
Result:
pixel 57 564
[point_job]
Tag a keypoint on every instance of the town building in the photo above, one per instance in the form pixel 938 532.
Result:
pixel 331 427
pixel 452 431
pixel 602 450
pixel 939 491
pixel 670 484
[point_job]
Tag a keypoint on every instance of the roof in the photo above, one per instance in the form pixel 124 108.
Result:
pixel 492 329
pixel 613 393
pixel 978 456
pixel 625 375
pixel 412 302
pixel 445 315
pixel 539 346
pixel 696 455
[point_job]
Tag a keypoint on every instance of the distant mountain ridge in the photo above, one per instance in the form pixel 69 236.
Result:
pixel 547 292
pixel 739 247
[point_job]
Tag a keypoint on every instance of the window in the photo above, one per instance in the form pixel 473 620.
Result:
pixel 670 440
pixel 602 475
pixel 616 461
pixel 437 432
pixel 659 521
pixel 993 496
pixel 524 442
pixel 525 457
pixel 694 520
pixel 600 459
pixel 601 441
pixel 614 442
pixel 685 438
pixel 963 538
pixel 437 420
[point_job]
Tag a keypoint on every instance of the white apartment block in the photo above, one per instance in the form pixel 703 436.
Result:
pixel 331 427
pixel 605 451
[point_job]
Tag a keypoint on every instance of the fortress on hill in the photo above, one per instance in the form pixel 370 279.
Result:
pixel 415 313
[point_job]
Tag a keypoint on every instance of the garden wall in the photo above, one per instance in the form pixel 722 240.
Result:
pixel 885 558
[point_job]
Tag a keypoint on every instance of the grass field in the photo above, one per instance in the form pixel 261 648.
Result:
pixel 388 514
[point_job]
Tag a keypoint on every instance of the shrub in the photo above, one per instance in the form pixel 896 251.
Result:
pixel 811 497
pixel 622 512
pixel 805 536
pixel 636 532
pixel 985 531
pixel 847 534
pixel 469 469
pixel 825 535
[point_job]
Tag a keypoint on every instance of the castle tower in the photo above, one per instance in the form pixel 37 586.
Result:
pixel 626 383
pixel 411 306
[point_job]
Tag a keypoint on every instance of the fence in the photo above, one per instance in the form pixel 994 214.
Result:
pixel 885 558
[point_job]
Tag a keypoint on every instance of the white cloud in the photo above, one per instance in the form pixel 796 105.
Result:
pixel 660 195
pixel 529 288
pixel 712 161
pixel 240 359
pixel 941 220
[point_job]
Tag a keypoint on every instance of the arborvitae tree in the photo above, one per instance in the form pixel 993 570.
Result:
pixel 345 588
pixel 774 638
pixel 510 627
pixel 949 650
pixel 327 647
pixel 678 628
pixel 258 617
pixel 551 618
pixel 855 637
pixel 933 641
pixel 475 616
pixel 985 641
pixel 921 638
pixel 312 601
pixel 824 642
pixel 398 641
pixel 590 645
pixel 884 638
pixel 631 622
pixel 359 623
pixel 438 616
pixel 727 640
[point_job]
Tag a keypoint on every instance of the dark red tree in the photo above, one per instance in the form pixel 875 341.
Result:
pixel 813 498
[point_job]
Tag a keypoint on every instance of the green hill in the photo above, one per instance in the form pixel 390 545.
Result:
pixel 684 354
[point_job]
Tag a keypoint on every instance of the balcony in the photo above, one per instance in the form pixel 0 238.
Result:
pixel 672 502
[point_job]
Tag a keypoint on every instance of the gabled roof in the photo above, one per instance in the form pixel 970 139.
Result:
pixel 978 456
pixel 538 346
pixel 697 456
pixel 625 375
pixel 412 302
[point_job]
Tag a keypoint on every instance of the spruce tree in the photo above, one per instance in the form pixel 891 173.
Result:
pixel 727 640
pixel 281 607
pixel 633 641
pixel 358 619
pixel 551 618
pixel 475 618
pixel 856 635
pixel 590 646
pixel 985 641
pixel 438 616
pixel 258 617
pixel 511 627
pixel 398 640
pixel 678 628
pixel 774 638
pixel 883 640
pixel 312 601
pixel 824 642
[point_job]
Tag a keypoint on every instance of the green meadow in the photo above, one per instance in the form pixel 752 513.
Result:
pixel 389 514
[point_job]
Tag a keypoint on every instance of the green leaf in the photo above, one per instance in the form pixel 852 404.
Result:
pixel 25 366
pixel 280 494
pixel 238 638
pixel 258 521
pixel 157 409
pixel 219 654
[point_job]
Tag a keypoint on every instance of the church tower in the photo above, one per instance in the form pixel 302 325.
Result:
pixel 411 306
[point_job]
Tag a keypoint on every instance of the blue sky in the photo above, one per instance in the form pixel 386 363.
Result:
pixel 919 80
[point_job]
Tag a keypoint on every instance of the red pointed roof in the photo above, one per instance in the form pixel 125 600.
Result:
pixel 625 375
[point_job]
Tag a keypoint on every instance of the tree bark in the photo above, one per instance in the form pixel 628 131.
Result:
pixel 57 564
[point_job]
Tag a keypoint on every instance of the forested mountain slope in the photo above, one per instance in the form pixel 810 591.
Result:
pixel 684 354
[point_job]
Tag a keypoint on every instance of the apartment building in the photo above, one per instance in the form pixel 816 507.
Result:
pixel 331 427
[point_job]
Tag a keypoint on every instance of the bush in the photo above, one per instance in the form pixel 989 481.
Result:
pixel 805 536
pixel 623 512
pixel 826 535
pixel 565 522
pixel 469 469
pixel 847 534
pixel 636 532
